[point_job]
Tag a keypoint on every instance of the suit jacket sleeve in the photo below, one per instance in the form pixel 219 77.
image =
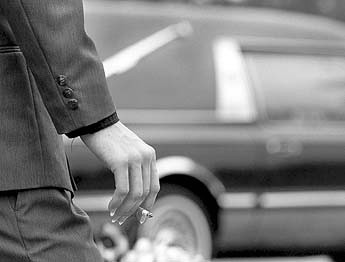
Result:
pixel 63 60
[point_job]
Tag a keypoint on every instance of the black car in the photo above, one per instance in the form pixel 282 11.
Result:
pixel 246 110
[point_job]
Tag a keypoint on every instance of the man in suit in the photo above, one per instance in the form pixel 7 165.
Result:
pixel 52 82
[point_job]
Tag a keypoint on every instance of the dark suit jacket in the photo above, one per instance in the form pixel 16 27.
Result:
pixel 51 82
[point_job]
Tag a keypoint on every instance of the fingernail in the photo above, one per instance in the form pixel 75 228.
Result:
pixel 112 212
pixel 122 220
pixel 115 218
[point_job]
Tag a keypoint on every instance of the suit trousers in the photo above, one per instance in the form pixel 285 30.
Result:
pixel 43 224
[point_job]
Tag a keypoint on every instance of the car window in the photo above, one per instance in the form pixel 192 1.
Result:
pixel 300 87
pixel 175 77
pixel 188 81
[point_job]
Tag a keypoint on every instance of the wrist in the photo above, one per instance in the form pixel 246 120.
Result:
pixel 93 128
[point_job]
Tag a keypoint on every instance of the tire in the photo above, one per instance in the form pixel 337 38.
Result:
pixel 180 220
pixel 338 257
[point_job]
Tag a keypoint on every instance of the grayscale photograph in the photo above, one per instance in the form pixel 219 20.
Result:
pixel 172 131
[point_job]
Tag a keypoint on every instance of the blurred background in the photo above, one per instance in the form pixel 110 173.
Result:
pixel 244 102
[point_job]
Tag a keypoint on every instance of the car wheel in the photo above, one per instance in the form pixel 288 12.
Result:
pixel 180 219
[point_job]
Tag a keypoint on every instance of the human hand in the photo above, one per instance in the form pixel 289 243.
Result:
pixel 133 164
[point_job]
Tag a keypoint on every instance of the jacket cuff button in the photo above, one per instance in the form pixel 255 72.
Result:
pixel 67 93
pixel 61 80
pixel 73 104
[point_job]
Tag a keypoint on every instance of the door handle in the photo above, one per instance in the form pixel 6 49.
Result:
pixel 284 147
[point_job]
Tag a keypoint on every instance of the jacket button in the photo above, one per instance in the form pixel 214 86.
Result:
pixel 73 104
pixel 67 93
pixel 61 80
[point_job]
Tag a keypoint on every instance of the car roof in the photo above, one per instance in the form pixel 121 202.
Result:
pixel 265 22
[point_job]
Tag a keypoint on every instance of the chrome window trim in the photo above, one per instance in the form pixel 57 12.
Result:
pixel 279 200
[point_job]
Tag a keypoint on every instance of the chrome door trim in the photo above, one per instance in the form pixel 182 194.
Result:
pixel 276 200
pixel 98 202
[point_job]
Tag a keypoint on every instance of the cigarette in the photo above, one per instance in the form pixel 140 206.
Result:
pixel 142 214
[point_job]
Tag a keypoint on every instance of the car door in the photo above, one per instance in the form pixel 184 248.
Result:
pixel 303 197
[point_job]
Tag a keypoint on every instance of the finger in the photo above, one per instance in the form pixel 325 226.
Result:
pixel 134 197
pixel 146 184
pixel 154 187
pixel 121 187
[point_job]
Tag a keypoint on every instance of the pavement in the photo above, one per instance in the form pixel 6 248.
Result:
pixel 277 259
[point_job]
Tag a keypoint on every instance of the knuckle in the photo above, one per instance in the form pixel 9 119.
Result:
pixel 153 152
pixel 122 161
pixel 123 192
pixel 135 157
pixel 137 195
pixel 150 152
pixel 146 192
pixel 155 189
pixel 147 152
